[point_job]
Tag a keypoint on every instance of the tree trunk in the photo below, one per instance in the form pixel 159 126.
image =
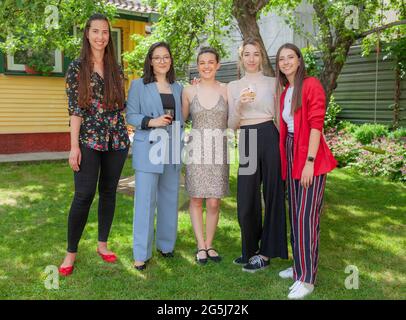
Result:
pixel 396 107
pixel 328 77
pixel 245 12
pixel 332 69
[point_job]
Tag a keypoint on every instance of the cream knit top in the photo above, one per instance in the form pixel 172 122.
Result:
pixel 263 107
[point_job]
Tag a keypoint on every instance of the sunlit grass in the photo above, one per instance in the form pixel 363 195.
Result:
pixel 363 224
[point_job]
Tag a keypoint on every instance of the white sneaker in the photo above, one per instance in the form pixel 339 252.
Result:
pixel 294 285
pixel 301 290
pixel 286 274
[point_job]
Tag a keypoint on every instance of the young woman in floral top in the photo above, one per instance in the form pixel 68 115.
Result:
pixel 99 138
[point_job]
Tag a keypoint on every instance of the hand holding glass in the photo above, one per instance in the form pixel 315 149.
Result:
pixel 169 113
pixel 248 94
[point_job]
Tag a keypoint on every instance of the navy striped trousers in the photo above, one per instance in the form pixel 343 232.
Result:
pixel 304 212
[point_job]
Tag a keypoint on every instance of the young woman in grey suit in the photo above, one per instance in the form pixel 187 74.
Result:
pixel 154 109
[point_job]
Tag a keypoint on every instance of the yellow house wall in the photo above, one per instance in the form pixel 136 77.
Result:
pixel 33 104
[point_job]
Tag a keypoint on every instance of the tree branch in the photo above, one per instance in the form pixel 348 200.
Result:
pixel 384 27
pixel 260 4
pixel 323 21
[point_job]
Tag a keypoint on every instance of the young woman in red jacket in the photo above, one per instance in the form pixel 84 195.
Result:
pixel 305 160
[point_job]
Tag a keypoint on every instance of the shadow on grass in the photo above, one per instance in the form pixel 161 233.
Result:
pixel 363 225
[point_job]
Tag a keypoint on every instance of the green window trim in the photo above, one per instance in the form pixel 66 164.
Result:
pixel 66 62
pixel 143 18
pixel 23 73
pixel 2 57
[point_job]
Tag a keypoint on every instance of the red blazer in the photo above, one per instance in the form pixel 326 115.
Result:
pixel 309 116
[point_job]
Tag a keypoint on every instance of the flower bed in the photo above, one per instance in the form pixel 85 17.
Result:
pixel 384 155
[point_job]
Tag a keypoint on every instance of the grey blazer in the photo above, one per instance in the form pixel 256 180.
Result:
pixel 144 100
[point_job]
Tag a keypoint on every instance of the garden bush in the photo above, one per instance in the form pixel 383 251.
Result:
pixel 343 145
pixel 398 134
pixel 312 62
pixel 330 120
pixel 369 131
pixel 347 126
pixel 384 157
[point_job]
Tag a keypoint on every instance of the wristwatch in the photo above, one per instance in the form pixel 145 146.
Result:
pixel 310 159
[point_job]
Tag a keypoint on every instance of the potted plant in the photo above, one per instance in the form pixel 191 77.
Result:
pixel 37 61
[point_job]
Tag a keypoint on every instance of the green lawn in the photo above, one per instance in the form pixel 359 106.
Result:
pixel 363 225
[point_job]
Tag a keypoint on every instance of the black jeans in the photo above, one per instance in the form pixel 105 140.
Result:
pixel 268 238
pixel 104 167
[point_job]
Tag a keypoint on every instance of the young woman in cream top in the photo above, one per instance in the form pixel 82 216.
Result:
pixel 252 109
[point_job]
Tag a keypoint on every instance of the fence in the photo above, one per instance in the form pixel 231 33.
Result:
pixel 356 85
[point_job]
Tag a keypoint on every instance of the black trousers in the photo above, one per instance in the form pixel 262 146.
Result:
pixel 96 166
pixel 267 238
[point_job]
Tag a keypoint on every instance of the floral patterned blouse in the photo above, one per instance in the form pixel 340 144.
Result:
pixel 101 129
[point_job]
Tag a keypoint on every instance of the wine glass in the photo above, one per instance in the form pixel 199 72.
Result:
pixel 252 91
pixel 170 112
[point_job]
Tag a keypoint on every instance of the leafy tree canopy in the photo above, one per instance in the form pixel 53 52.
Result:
pixel 45 24
pixel 187 24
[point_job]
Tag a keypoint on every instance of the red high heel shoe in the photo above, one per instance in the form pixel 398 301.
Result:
pixel 111 258
pixel 65 271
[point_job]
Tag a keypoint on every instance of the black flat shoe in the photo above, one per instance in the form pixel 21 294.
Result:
pixel 201 260
pixel 239 261
pixel 166 254
pixel 213 258
pixel 141 267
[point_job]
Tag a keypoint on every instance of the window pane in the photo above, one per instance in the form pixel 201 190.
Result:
pixel 20 58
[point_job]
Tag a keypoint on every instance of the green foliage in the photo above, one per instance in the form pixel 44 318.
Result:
pixel 347 126
pixel 136 57
pixel 370 149
pixel 27 25
pixel 398 134
pixel 388 160
pixel 333 109
pixel 313 64
pixel 369 131
pixel 343 145
pixel 392 41
pixel 41 61
pixel 185 25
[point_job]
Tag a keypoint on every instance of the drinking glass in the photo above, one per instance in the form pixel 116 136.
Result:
pixel 252 90
pixel 170 112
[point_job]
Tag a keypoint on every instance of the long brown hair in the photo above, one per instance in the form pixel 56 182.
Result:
pixel 113 81
pixel 282 81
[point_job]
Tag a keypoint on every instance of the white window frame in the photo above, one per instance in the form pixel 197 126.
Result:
pixel 58 65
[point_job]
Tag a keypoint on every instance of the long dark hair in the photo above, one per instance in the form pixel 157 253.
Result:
pixel 282 81
pixel 148 74
pixel 113 81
